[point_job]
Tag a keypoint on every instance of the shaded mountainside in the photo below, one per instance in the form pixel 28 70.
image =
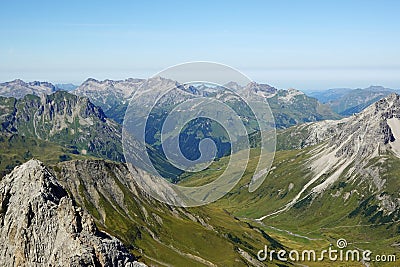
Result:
pixel 64 119
pixel 41 225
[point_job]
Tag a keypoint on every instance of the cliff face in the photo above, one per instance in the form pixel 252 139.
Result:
pixel 65 119
pixel 41 225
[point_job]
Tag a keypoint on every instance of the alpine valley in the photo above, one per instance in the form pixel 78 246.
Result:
pixel 67 197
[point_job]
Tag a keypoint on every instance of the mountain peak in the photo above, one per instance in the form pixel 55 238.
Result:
pixel 17 82
pixel 90 80
pixel 262 90
pixel 386 106
pixel 233 86
pixel 33 180
pixel 39 219
pixel 261 87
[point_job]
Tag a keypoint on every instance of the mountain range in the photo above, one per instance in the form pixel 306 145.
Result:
pixel 346 101
pixel 332 178
pixel 113 97
pixel 290 107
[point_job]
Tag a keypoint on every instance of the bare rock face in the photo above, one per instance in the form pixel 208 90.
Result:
pixel 40 225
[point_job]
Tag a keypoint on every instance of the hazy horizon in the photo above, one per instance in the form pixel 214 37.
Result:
pixel 307 45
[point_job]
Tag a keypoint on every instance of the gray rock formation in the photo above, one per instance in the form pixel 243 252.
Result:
pixel 354 159
pixel 42 226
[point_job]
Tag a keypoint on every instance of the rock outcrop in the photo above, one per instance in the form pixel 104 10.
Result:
pixel 42 226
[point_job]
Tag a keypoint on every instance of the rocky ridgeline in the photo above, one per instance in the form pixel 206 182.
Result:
pixel 41 225
pixel 65 119
pixel 19 88
pixel 370 126
pixel 108 93
pixel 364 133
pixel 290 106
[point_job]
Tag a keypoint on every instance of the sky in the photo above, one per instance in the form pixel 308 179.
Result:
pixel 308 45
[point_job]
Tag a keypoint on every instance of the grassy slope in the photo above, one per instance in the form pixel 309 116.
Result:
pixel 162 235
pixel 15 150
pixel 328 218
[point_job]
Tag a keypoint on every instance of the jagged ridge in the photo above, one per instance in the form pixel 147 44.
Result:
pixel 41 225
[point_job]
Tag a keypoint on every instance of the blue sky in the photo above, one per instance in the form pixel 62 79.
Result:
pixel 307 45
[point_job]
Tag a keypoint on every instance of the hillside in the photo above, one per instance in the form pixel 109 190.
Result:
pixel 334 179
pixel 63 119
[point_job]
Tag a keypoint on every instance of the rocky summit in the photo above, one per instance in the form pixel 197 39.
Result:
pixel 42 226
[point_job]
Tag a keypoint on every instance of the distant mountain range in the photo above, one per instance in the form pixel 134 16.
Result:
pixel 113 97
pixel 346 101
pixel 66 86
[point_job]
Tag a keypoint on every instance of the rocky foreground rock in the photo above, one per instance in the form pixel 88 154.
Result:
pixel 40 225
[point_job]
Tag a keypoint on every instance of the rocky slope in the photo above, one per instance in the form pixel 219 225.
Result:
pixel 71 121
pixel 41 225
pixel 355 159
